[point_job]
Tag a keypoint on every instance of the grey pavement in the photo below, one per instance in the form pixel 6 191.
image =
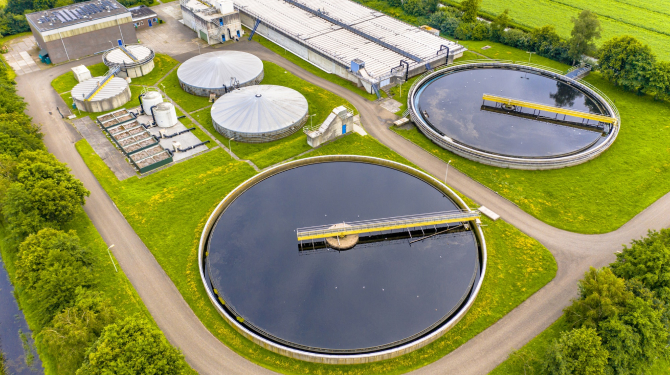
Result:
pixel 23 57
pixel 573 252
pixel 102 146
pixel 172 37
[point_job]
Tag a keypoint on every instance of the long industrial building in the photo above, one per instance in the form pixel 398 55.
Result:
pixel 348 39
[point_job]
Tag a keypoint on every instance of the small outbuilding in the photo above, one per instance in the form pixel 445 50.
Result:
pixel 143 17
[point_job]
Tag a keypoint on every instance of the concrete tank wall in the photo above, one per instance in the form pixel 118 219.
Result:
pixel 105 104
pixel 137 71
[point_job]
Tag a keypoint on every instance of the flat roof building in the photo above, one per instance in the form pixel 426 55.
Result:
pixel 82 29
pixel 143 17
pixel 348 39
pixel 214 21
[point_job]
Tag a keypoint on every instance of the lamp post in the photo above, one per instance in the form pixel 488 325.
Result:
pixel 197 44
pixel 446 173
pixel 311 121
pixel 110 257
pixel 530 54
pixel 230 149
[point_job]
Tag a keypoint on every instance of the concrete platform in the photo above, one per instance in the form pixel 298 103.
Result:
pixel 104 148
pixel 186 139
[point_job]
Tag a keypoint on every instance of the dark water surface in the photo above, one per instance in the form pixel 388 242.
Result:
pixel 453 103
pixel 11 322
pixel 360 298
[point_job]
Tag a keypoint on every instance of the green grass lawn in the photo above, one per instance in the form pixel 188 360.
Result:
pixel 162 65
pixel 188 102
pixel 197 132
pixel 502 52
pixel 115 285
pixel 321 103
pixel 587 198
pixel 313 69
pixel 646 20
pixel 65 82
pixel 179 200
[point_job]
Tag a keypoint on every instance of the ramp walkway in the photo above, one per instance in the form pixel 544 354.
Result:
pixel 378 225
pixel 548 108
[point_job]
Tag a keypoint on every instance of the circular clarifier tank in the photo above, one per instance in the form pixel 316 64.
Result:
pixel 94 95
pixel 134 60
pixel 379 296
pixel 449 107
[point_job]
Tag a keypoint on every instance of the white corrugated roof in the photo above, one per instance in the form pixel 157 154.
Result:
pixel 344 45
pixel 259 109
pixel 214 70
pixel 114 87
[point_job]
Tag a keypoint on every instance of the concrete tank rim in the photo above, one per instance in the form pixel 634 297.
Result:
pixel 342 358
pixel 272 98
pixel 115 87
pixel 145 59
pixel 190 67
pixel 510 161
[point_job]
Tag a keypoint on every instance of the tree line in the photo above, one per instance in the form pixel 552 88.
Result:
pixel 623 60
pixel 620 323
pixel 13 19
pixel 54 272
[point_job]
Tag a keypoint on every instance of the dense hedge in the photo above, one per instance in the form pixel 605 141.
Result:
pixel 53 271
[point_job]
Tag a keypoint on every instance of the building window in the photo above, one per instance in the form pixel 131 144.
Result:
pixel 155 19
pixel 142 23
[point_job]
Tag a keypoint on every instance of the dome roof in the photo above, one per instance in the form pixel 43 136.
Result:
pixel 117 56
pixel 260 109
pixel 215 69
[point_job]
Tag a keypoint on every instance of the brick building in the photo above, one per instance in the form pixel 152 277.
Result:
pixel 143 17
pixel 82 29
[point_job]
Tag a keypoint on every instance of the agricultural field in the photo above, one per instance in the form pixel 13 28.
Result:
pixel 646 20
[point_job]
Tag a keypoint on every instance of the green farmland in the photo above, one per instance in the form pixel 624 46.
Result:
pixel 646 20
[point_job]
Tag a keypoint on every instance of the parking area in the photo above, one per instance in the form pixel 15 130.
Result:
pixel 23 56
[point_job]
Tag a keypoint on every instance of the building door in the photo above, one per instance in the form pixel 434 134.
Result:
pixel 150 23
pixel 120 42
pixel 223 38
pixel 344 129
pixel 238 33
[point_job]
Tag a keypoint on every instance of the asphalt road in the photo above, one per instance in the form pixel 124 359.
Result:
pixel 574 253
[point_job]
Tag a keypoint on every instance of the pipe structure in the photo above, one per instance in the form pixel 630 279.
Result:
pixel 192 147
pixel 178 133
pixel 153 115
pixel 139 97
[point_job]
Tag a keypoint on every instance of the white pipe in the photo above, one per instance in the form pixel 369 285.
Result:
pixel 61 40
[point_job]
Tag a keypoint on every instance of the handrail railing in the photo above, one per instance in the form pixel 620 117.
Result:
pixel 376 225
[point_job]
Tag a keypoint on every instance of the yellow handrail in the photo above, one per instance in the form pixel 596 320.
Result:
pixel 548 108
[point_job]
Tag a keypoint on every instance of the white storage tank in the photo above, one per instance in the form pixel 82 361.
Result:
pixel 166 115
pixel 151 99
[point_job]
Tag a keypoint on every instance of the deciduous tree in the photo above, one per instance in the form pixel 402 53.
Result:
pixel 577 352
pixel 132 346
pixel 626 62
pixel 76 328
pixel 470 10
pixel 585 30
pixel 659 80
pixel 499 25
pixel 50 266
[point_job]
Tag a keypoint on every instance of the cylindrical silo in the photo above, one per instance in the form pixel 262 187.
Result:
pixel 219 72
pixel 134 60
pixel 151 99
pixel 261 113
pixel 166 115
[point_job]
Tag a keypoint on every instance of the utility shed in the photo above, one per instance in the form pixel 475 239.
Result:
pixel 143 17
pixel 82 29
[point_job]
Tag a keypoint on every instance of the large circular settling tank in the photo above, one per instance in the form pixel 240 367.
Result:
pixel 219 72
pixel 261 113
pixel 448 107
pixel 133 59
pixel 113 94
pixel 310 301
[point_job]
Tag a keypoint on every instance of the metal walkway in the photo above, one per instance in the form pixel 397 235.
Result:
pixel 548 108
pixel 378 225
pixel 104 81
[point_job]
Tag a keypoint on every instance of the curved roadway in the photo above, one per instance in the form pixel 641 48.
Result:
pixel 574 253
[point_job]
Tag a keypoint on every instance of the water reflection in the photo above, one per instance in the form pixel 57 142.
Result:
pixel 453 104
pixel 15 337
pixel 361 298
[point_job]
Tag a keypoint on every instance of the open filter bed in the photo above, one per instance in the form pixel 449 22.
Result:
pixel 383 293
